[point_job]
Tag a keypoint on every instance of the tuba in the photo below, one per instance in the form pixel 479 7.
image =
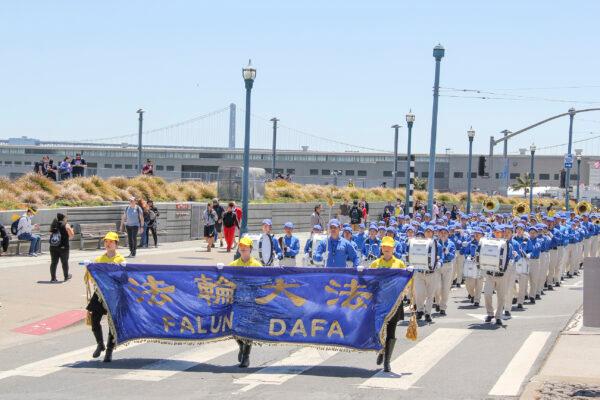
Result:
pixel 490 204
pixel 521 208
pixel 583 207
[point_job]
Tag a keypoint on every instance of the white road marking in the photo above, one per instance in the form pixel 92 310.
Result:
pixel 481 317
pixel 283 370
pixel 420 359
pixel 515 373
pixel 168 367
pixel 56 363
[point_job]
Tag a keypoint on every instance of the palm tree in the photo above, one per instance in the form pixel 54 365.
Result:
pixel 420 183
pixel 523 183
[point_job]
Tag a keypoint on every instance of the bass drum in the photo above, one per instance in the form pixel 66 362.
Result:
pixel 470 270
pixel 265 250
pixel 318 238
pixel 522 267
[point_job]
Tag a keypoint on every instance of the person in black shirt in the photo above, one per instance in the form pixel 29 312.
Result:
pixel 79 165
pixel 41 167
pixel 4 239
pixel 230 222
pixel 219 224
pixel 51 170
pixel 60 233
pixel 152 222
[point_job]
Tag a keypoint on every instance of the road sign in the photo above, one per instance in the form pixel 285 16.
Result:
pixel 568 160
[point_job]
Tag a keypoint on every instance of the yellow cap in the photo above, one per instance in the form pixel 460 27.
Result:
pixel 246 241
pixel 112 236
pixel 388 242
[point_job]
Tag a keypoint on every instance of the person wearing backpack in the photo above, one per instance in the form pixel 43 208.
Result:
pixel 60 233
pixel 131 222
pixel 23 229
pixel 355 215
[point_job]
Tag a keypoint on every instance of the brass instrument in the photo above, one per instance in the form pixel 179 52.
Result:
pixel 490 204
pixel 583 207
pixel 521 208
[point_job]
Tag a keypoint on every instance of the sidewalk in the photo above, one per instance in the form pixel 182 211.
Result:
pixel 27 297
pixel 572 368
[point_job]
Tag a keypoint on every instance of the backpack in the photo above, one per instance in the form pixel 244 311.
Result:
pixel 14 227
pixel 151 218
pixel 355 214
pixel 55 239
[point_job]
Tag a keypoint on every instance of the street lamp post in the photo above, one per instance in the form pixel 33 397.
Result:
pixel 578 152
pixel 532 149
pixel 249 74
pixel 572 113
pixel 274 121
pixel 410 120
pixel 471 135
pixel 396 127
pixel 438 53
pixel 140 124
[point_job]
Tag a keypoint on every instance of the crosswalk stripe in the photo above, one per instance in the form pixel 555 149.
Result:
pixel 168 367
pixel 283 370
pixel 53 364
pixel 413 364
pixel 511 380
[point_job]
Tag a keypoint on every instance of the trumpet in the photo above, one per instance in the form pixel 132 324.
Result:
pixel 583 207
pixel 490 204
pixel 521 208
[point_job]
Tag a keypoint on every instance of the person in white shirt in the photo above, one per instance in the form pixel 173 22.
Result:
pixel 25 232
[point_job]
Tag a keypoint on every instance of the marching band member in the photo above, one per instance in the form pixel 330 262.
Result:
pixel 339 249
pixel 266 229
pixel 471 252
pixel 457 236
pixel 554 244
pixel 360 237
pixel 526 247
pixel 387 260
pixel 370 249
pixel 495 281
pixel 544 258
pixel 317 229
pixel 291 246
pixel 96 306
pixel 398 248
pixel 510 293
pixel 447 269
pixel 427 283
pixel 245 260
pixel 534 264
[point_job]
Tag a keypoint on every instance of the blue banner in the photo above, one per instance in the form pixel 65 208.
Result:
pixel 331 307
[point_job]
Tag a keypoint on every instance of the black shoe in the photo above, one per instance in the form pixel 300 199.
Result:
pixel 538 297
pixel 469 297
pixel 562 278
pixel 557 284
pixel 569 275
pixel 427 318
pixel 108 355
pixel 380 358
pixel 54 280
pixel 99 349
pixel 526 297
pixel 476 304
pixel 68 277
pixel 575 273
pixel 550 288
pixel 531 300
pixel 472 300
pixel 514 300
pixel 488 318
pixel 519 306
pixel 389 350
pixel 437 307
pixel 542 293
pixel 246 356
pixel 458 284
pixel 442 313
pixel 507 313
pixel 241 352
pixel 419 315
pixel 498 321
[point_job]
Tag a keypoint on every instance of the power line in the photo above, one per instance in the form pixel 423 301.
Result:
pixel 507 96
pixel 566 144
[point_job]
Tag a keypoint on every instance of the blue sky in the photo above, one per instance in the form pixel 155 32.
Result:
pixel 346 70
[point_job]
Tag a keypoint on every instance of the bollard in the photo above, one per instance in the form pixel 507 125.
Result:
pixel 591 292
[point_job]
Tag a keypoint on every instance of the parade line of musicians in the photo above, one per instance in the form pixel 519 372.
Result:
pixel 553 248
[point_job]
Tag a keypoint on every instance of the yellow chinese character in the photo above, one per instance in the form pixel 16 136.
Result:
pixel 281 287
pixel 221 291
pixel 355 298
pixel 154 289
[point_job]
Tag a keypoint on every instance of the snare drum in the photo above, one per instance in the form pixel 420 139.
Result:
pixel 470 270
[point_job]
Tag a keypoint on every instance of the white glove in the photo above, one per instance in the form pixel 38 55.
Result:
pixel 514 254
pixel 469 258
pixel 360 268
pixel 528 256
pixel 410 268
pixel 220 265
pixel 86 262
pixel 438 264
pixel 124 264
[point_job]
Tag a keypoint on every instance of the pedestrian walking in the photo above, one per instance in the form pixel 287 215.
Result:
pixel 131 222
pixel 230 222
pixel 153 215
pixel 4 240
pixel 219 224
pixel 210 219
pixel 315 217
pixel 144 229
pixel 60 234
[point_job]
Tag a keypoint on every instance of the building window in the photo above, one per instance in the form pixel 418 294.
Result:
pixel 473 175
pixel 361 173
pixel 497 175
pixel 158 167
pixel 573 177
pixel 170 168
pixel 425 174
pixel 387 173
pixel 439 174
pixel 325 172
pixel 349 172
pixel 118 166
pixel 514 175
pixel 107 165
pixel 556 177
pixel 401 174
pixel 458 174
pixel 291 171
pixel 27 162
pixel 314 172
pixel 544 177
pixel 7 162
pixel 128 166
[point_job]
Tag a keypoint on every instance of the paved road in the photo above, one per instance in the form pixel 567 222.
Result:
pixel 456 357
